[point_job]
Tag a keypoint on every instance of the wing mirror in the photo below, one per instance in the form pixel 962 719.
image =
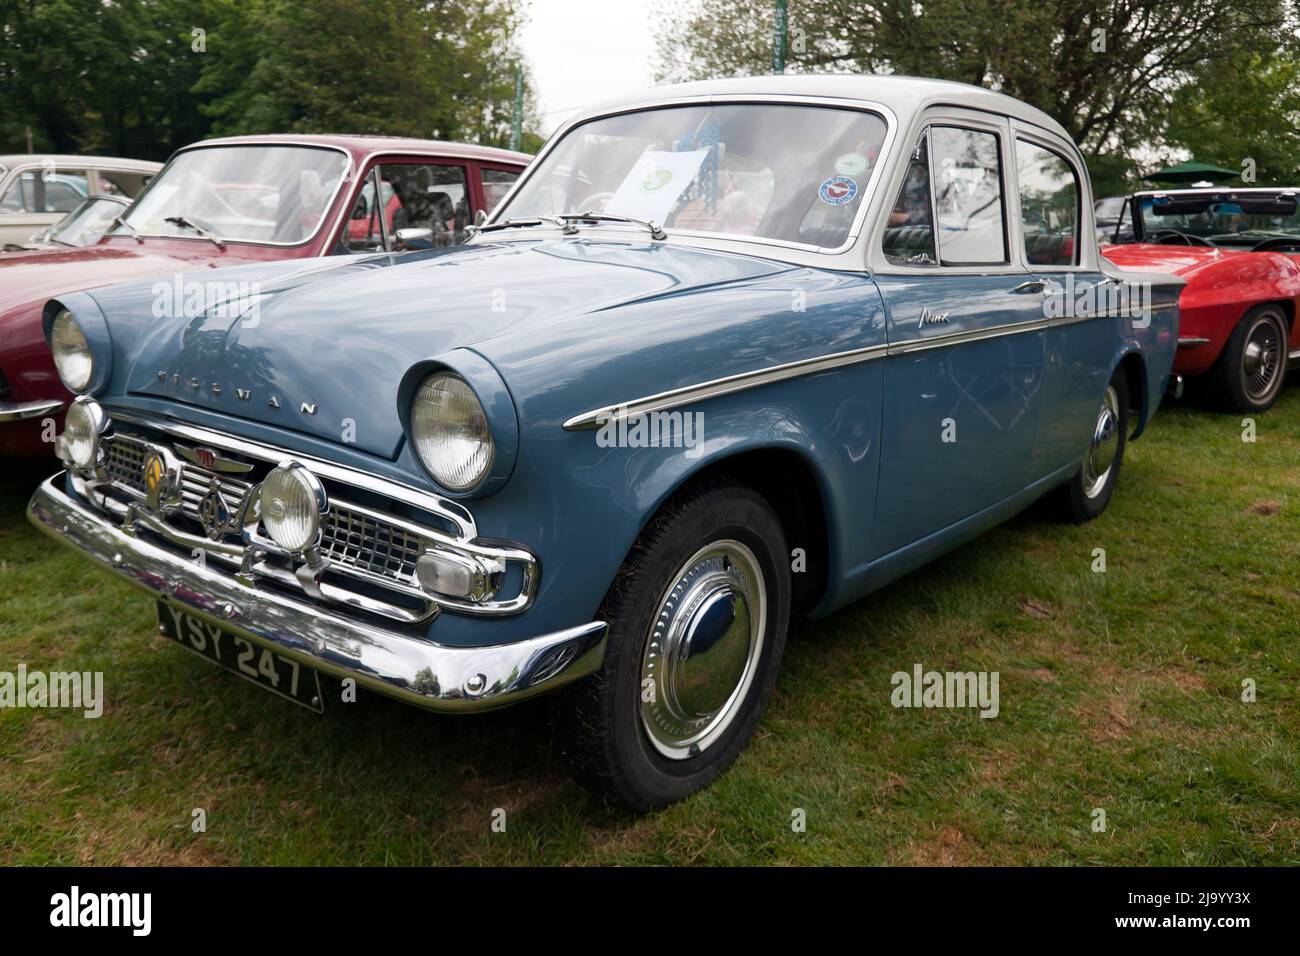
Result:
pixel 412 238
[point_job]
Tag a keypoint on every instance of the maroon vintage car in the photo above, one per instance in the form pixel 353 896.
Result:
pixel 230 201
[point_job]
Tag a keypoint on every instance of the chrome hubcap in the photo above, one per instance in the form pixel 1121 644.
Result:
pixel 703 649
pixel 1105 444
pixel 1261 360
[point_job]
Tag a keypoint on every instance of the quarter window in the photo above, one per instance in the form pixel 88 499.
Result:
pixel 909 234
pixel 968 196
pixel 496 183
pixel 1049 206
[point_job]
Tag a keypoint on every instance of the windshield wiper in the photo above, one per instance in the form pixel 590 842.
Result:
pixel 656 230
pixel 569 228
pixel 201 230
pixel 119 221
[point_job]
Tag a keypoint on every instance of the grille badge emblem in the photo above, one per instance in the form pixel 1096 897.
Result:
pixel 212 460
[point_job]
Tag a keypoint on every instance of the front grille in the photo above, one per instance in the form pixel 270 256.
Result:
pixel 370 555
pixel 356 539
pixel 125 462
pixel 196 482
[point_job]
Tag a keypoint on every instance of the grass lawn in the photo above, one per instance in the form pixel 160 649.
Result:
pixel 1119 690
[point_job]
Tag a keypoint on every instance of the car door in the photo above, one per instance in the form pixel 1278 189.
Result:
pixel 1078 298
pixel 966 346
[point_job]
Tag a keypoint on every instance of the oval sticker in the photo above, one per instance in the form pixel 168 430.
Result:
pixel 838 190
pixel 851 164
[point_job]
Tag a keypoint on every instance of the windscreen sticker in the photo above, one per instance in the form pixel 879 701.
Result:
pixel 654 184
pixel 851 164
pixel 838 190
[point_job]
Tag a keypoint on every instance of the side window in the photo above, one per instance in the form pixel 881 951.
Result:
pixel 909 234
pixel 44 191
pixel 431 202
pixel 496 183
pixel 1049 206
pixel 968 196
pixel 114 183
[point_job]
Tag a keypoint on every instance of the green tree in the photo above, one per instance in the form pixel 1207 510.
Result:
pixel 400 67
pixel 1107 70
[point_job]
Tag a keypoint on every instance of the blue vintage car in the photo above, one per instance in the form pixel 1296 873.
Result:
pixel 727 352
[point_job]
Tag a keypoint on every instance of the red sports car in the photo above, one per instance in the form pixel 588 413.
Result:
pixel 1239 250
pixel 230 201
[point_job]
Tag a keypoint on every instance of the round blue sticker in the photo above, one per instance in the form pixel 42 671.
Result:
pixel 838 190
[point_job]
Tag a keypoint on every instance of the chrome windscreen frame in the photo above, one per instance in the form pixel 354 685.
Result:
pixel 247 560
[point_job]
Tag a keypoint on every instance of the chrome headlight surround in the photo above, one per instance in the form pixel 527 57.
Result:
pixel 80 343
pixel 490 421
pixel 79 444
pixel 291 501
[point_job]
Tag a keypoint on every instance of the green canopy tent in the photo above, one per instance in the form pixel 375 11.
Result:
pixel 1187 173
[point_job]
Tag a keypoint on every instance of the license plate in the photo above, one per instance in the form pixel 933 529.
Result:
pixel 265 668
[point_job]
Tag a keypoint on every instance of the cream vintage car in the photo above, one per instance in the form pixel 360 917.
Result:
pixel 37 190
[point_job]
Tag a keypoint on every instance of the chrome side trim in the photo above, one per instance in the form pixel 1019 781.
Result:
pixel 723 386
pixel 778 373
pixel 19 411
pixel 1186 341
pixel 459 516
pixel 1295 354
pixel 395 663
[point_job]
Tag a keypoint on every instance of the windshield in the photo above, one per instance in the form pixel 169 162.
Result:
pixel 251 193
pixel 1239 223
pixel 789 173
pixel 85 224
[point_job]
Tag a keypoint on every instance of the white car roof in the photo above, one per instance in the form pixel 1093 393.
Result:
pixel 79 162
pixel 905 95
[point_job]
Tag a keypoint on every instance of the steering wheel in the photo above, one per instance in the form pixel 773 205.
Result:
pixel 1276 242
pixel 1172 237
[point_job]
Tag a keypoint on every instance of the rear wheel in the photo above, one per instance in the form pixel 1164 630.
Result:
pixel 1249 373
pixel 697 623
pixel 1088 492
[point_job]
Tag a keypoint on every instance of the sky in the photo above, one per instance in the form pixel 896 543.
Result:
pixel 583 51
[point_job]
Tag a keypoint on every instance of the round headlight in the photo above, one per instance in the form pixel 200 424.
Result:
pixel 81 429
pixel 72 355
pixel 292 502
pixel 450 431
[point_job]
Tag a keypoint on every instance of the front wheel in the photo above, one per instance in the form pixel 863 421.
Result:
pixel 697 623
pixel 1087 493
pixel 1252 366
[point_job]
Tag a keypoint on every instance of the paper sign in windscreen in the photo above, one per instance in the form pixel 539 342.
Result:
pixel 654 184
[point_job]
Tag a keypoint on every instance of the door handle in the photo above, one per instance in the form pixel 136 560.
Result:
pixel 1030 287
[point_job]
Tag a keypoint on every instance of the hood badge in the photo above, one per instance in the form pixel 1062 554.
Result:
pixel 243 394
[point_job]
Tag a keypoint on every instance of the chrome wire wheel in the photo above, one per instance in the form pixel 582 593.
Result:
pixel 1262 360
pixel 703 649
pixel 1100 458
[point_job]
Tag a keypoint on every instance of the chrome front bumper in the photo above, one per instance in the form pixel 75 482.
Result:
pixel 393 663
